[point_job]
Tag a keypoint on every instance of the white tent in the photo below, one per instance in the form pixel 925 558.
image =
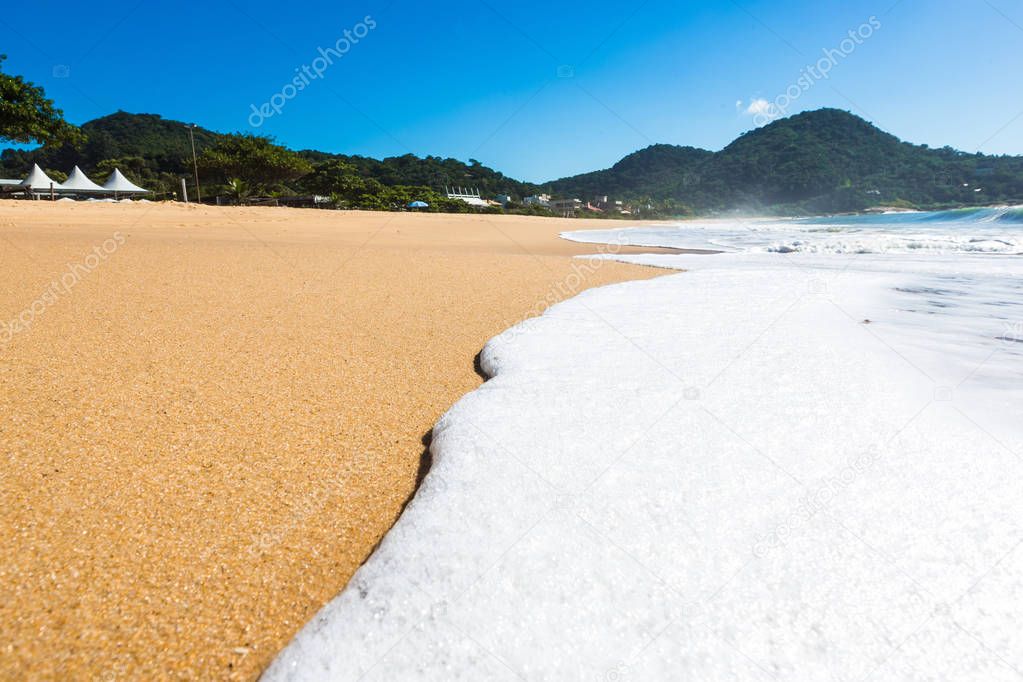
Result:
pixel 38 181
pixel 121 185
pixel 78 182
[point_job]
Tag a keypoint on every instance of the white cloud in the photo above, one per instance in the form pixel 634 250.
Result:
pixel 760 107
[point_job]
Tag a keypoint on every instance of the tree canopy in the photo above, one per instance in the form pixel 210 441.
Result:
pixel 820 161
pixel 26 115
pixel 253 159
pixel 817 162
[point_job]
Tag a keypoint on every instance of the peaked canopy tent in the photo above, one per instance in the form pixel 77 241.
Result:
pixel 79 182
pixel 38 181
pixel 118 184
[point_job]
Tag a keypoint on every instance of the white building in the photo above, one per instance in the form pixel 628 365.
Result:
pixel 566 205
pixel 469 196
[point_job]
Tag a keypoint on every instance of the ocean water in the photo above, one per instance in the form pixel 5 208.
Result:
pixel 949 285
pixel 972 230
pixel 783 463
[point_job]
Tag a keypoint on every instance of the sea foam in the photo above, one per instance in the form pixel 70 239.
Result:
pixel 767 467
pixel 973 230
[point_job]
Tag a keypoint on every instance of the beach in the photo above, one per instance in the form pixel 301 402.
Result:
pixel 798 459
pixel 212 415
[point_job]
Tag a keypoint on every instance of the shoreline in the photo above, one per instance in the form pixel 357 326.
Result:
pixel 571 527
pixel 427 458
pixel 196 387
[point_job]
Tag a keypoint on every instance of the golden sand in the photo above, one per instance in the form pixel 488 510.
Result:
pixel 210 423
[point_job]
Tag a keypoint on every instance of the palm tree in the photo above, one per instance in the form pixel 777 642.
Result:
pixel 238 189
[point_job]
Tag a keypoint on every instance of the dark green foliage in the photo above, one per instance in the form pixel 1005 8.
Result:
pixel 816 162
pixel 55 175
pixel 151 151
pixel 661 170
pixel 431 171
pixel 253 159
pixel 349 188
pixel 824 161
pixel 333 177
pixel 155 153
pixel 26 115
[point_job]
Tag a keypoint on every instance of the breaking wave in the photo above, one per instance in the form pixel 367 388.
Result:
pixel 996 230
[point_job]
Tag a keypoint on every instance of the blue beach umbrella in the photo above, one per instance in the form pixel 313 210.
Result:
pixel 419 204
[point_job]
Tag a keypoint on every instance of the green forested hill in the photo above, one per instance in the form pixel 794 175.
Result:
pixel 156 152
pixel 662 171
pixel 149 149
pixel 432 171
pixel 815 162
pixel 818 161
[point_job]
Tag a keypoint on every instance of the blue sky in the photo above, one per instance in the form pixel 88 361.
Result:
pixel 537 90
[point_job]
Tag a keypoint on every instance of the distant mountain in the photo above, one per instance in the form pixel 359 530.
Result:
pixel 661 170
pixel 161 143
pixel 155 152
pixel 818 161
pixel 815 162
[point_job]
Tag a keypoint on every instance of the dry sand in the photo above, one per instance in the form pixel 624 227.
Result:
pixel 210 424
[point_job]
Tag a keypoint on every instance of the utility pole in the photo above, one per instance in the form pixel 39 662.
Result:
pixel 195 164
